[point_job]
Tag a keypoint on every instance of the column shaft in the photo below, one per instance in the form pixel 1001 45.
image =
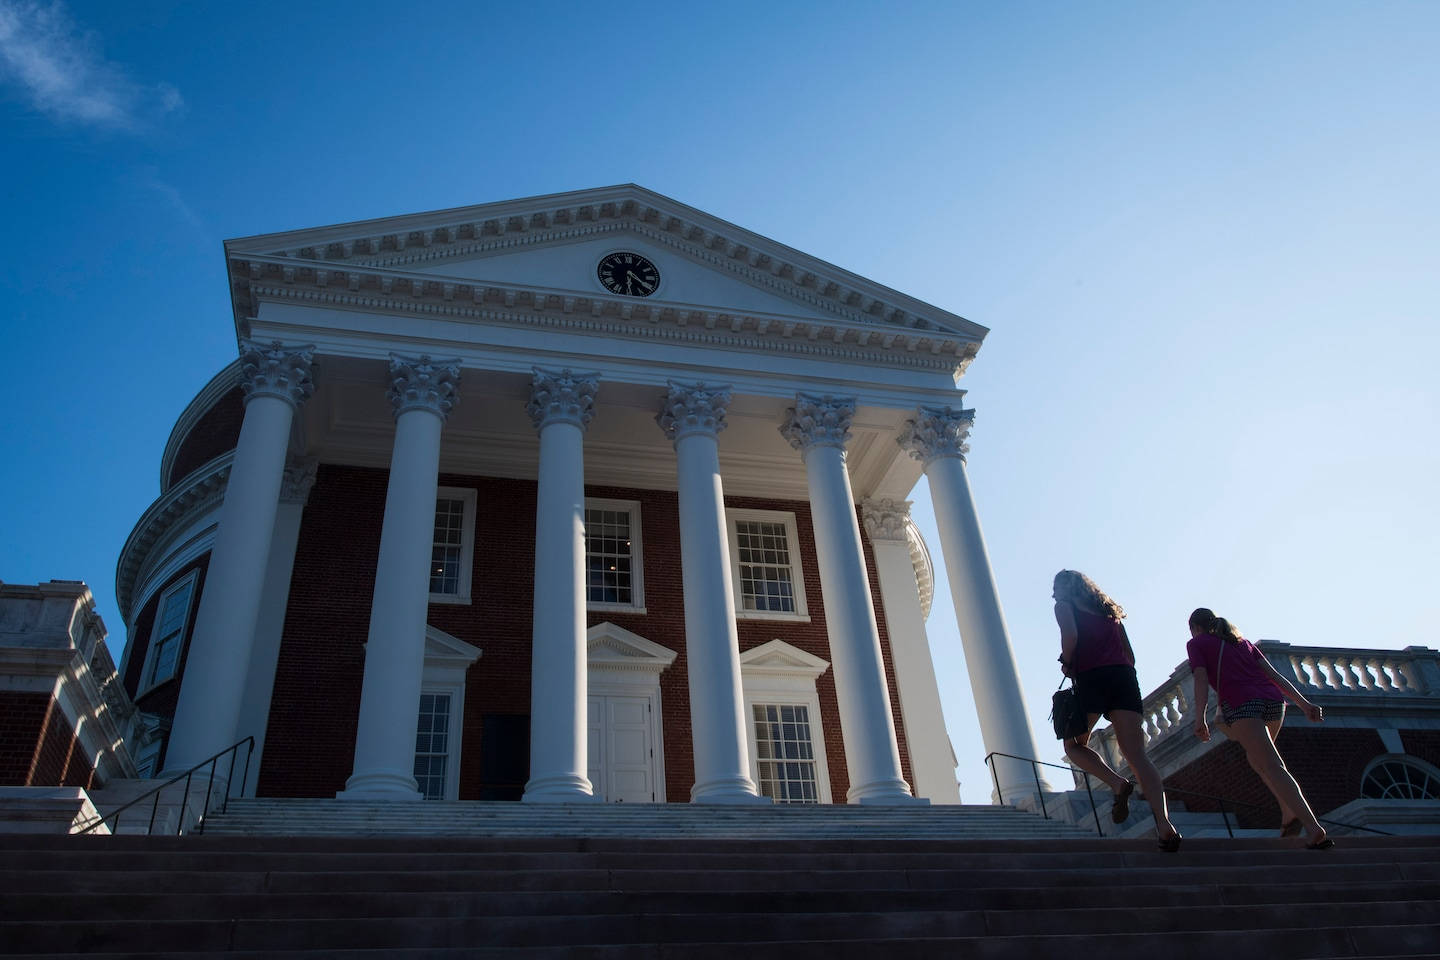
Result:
pixel 872 756
pixel 395 647
pixel 994 678
pixel 931 757
pixel 208 709
pixel 558 683
pixel 712 649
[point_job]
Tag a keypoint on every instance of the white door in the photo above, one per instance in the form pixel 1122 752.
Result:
pixel 622 749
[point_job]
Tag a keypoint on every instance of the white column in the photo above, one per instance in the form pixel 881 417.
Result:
pixel 561 407
pixel 275 598
pixel 936 437
pixel 276 380
pixel 887 522
pixel 819 427
pixel 422 392
pixel 692 416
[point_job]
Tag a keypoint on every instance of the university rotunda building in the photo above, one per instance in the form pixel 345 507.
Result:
pixel 584 496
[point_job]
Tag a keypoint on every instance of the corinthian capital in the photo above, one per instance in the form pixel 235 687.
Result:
pixel 885 519
pixel 562 397
pixel 937 432
pixel 298 479
pixel 420 383
pixel 693 408
pixel 819 422
pixel 275 370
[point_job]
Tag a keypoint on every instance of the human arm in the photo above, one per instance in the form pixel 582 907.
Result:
pixel 1201 699
pixel 1312 713
pixel 1069 635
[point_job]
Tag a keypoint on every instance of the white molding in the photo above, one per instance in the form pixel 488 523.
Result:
pixel 447 659
pixel 614 649
pixel 637 557
pixel 467 544
pixel 779 673
pixel 801 614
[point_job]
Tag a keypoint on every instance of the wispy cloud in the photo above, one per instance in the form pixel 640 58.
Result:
pixel 62 73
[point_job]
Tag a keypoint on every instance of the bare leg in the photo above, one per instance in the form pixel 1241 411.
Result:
pixel 1265 760
pixel 1080 754
pixel 1287 815
pixel 1132 743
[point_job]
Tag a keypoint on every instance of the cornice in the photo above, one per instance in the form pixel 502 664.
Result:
pixel 373 290
pixel 198 492
pixel 220 384
pixel 433 238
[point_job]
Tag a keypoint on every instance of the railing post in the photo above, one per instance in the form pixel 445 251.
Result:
pixel 1225 816
pixel 1039 791
pixel 999 797
pixel 249 750
pixel 154 809
pixel 184 805
pixel 1093 812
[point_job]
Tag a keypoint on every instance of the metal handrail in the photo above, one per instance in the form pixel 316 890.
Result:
pixel 1035 766
pixel 233 750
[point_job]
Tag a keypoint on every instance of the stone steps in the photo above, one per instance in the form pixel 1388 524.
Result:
pixel 630 894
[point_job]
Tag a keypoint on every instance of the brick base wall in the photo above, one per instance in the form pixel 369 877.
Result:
pixel 314 710
pixel 38 747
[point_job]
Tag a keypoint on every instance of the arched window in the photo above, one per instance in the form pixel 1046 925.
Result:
pixel 1398 777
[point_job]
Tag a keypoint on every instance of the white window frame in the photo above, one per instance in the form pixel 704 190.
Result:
pixel 801 612
pixel 467 543
pixel 456 693
pixel 637 557
pixel 446 661
pixel 780 674
pixel 147 682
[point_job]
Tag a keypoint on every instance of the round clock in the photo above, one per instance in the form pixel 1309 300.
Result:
pixel 628 273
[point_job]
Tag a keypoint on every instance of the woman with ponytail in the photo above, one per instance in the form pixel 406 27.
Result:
pixel 1095 651
pixel 1252 697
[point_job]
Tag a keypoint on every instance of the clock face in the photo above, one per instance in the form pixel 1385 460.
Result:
pixel 629 274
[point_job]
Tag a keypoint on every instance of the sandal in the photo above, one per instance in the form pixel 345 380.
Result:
pixel 1324 843
pixel 1120 812
pixel 1171 844
pixel 1291 829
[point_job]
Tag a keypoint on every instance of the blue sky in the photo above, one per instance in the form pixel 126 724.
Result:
pixel 1204 237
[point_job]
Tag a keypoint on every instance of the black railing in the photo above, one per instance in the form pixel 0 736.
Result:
pixel 188 776
pixel 1221 802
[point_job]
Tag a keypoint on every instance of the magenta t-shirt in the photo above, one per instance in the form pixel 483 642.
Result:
pixel 1241 676
pixel 1101 642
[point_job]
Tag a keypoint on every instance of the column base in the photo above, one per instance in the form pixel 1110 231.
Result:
pixel 728 790
pixel 566 788
pixel 380 786
pixel 883 792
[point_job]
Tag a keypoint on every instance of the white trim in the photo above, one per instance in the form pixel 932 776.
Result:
pixel 637 556
pixel 801 612
pixel 147 681
pixel 624 664
pixel 777 673
pixel 467 496
pixel 447 659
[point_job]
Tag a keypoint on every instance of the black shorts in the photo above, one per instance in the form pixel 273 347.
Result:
pixel 1109 688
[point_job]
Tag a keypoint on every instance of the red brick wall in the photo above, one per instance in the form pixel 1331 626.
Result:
pixel 216 432
pixel 1326 763
pixel 310 743
pixel 38 747
pixel 1424 744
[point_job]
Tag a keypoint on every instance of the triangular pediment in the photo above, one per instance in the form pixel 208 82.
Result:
pixel 443 650
pixel 540 254
pixel 780 657
pixel 610 646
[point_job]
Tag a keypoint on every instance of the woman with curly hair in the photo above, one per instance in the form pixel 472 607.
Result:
pixel 1095 651
pixel 1252 709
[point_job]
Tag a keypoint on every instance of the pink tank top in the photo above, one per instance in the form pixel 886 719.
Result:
pixel 1101 642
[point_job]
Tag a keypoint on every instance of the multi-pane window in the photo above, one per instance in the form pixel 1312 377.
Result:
pixel 767 580
pixel 169 634
pixel 147 759
pixel 451 548
pixel 784 753
pixel 613 568
pixel 432 745
pixel 1400 779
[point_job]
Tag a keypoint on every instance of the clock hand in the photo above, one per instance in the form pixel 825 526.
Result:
pixel 631 275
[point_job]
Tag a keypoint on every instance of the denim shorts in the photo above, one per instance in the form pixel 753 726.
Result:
pixel 1264 710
